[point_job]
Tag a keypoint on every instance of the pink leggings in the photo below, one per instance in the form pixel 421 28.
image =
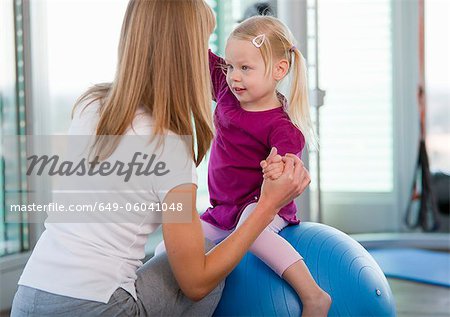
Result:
pixel 270 247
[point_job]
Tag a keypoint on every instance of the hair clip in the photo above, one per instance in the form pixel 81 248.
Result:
pixel 259 40
pixel 293 48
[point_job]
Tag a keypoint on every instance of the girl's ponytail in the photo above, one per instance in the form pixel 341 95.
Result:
pixel 298 110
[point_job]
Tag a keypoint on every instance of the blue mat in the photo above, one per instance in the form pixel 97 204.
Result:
pixel 418 265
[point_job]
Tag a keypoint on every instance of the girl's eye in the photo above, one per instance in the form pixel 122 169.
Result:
pixel 245 67
pixel 229 67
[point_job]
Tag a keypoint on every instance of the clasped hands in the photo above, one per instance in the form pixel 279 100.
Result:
pixel 273 165
pixel 285 178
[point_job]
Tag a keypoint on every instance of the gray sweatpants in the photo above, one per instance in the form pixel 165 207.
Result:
pixel 157 291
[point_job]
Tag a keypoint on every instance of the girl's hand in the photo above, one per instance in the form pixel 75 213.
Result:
pixel 292 182
pixel 273 166
pixel 274 170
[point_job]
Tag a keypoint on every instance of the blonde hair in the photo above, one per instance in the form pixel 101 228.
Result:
pixel 279 44
pixel 162 67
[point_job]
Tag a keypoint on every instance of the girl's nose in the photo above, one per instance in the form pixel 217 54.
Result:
pixel 235 76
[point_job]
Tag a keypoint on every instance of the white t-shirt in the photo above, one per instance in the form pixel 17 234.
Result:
pixel 91 260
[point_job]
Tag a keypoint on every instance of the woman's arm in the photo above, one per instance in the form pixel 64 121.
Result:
pixel 197 273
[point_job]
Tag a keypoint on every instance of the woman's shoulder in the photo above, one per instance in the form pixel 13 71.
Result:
pixel 85 117
pixel 87 114
pixel 85 107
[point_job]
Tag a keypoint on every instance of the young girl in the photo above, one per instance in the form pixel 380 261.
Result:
pixel 252 118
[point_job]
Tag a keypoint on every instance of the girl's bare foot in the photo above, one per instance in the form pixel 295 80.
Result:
pixel 316 306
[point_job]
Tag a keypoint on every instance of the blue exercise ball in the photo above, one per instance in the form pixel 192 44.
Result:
pixel 339 264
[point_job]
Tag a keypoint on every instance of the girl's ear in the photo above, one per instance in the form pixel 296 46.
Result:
pixel 281 68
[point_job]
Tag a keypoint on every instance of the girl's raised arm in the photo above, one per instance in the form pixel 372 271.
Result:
pixel 218 77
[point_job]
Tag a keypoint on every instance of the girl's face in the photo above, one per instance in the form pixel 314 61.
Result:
pixel 246 75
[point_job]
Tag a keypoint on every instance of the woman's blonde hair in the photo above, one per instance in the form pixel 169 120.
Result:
pixel 162 67
pixel 279 43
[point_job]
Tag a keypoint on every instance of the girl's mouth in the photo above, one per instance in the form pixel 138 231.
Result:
pixel 239 90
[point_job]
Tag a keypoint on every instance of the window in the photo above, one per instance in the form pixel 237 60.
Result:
pixel 13 183
pixel 351 58
pixel 81 51
pixel 438 83
pixel 355 58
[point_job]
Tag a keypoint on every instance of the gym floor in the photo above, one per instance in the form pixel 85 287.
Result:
pixel 420 300
pixel 415 299
pixel 412 299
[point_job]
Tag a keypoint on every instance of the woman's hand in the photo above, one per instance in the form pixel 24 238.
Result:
pixel 292 182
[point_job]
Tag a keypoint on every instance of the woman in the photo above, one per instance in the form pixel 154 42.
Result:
pixel 161 88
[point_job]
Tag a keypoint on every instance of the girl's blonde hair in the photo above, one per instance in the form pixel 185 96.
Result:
pixel 279 43
pixel 162 67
